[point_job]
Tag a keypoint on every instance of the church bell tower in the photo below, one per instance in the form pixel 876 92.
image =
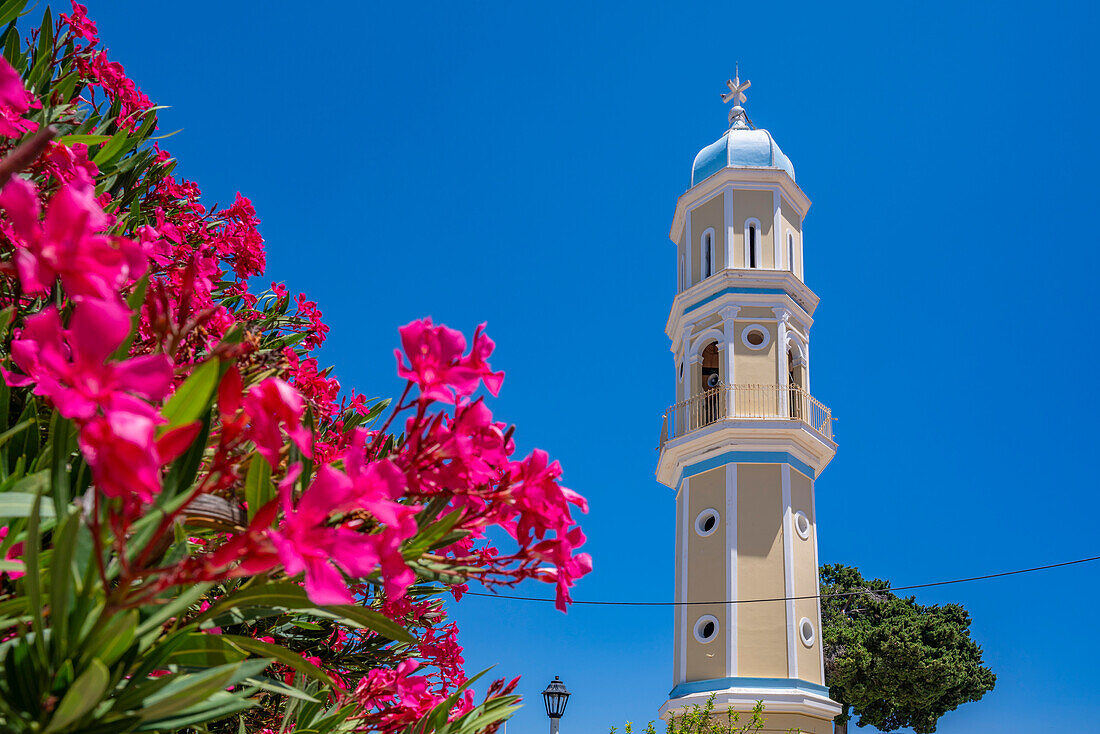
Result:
pixel 745 440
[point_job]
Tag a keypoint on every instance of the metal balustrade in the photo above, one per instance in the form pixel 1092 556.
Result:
pixel 746 402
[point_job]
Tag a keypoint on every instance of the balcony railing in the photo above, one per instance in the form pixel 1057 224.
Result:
pixel 747 402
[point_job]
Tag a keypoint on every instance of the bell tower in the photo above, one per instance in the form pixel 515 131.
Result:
pixel 745 440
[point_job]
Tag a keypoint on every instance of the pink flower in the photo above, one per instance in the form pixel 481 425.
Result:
pixel 15 100
pixel 437 365
pixel 270 404
pixel 72 368
pixel 66 245
pixel 13 554
pixel 306 542
pixel 121 451
pixel 80 25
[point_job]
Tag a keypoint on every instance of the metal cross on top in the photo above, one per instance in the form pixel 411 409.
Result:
pixel 736 95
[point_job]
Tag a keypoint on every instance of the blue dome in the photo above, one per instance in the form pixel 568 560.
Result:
pixel 740 147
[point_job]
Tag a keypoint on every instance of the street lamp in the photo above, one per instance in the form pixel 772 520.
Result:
pixel 555 697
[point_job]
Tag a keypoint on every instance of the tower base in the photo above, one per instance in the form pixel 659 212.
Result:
pixel 789 704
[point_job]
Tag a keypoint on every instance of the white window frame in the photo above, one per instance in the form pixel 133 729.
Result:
pixel 758 245
pixel 706 253
pixel 790 250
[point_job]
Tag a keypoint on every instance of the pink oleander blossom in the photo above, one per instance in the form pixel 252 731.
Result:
pixel 15 101
pixel 125 455
pixel 305 542
pixel 66 244
pixel 272 404
pixel 72 367
pixel 437 365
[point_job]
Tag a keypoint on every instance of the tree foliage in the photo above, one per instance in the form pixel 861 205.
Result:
pixel 892 662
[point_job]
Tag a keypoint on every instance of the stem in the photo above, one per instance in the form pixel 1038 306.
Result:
pixel 397 409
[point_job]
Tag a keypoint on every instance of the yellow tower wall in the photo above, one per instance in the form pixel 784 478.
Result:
pixel 761 627
pixel 754 366
pixel 805 578
pixel 706 580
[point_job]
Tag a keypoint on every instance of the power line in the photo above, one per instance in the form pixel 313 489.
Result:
pixel 793 598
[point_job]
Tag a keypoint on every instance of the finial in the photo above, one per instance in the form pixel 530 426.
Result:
pixel 736 95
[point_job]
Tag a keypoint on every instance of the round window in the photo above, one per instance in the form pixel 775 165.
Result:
pixel 802 525
pixel 706 628
pixel 707 522
pixel 755 336
pixel 806 631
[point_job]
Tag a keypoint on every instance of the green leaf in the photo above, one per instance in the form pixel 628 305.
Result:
pixel 61 583
pixel 193 396
pixel 258 489
pixel 370 619
pixel 217 706
pixel 21 504
pixel 110 641
pixel 277 686
pixel 202 650
pixel 173 608
pixel 112 149
pixel 84 694
pixel 186 690
pixel 283 655
pixel 86 139
pixel 283 594
pixel 10 10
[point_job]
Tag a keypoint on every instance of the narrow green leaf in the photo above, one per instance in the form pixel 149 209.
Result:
pixel 202 650
pixel 84 694
pixel 370 619
pixel 173 608
pixel 258 489
pixel 277 686
pixel 288 595
pixel 86 139
pixel 217 706
pixel 10 10
pixel 193 396
pixel 185 691
pixel 283 655
pixel 61 583
pixel 20 504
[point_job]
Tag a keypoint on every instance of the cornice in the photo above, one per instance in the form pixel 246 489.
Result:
pixel 744 178
pixel 793 700
pixel 742 287
pixel 733 435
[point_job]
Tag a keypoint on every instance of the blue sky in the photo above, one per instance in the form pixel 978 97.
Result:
pixel 519 165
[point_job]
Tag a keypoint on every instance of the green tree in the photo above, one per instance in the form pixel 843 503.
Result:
pixel 893 662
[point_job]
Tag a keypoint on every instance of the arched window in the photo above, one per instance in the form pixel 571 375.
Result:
pixel 683 274
pixel 790 251
pixel 753 249
pixel 706 410
pixel 706 245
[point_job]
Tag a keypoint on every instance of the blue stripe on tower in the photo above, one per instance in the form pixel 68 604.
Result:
pixel 721 684
pixel 749 457
pixel 719 294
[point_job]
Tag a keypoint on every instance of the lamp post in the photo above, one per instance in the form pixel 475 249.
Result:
pixel 555 697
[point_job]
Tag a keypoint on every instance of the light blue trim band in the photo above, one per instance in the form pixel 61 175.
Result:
pixel 748 457
pixel 719 294
pixel 720 684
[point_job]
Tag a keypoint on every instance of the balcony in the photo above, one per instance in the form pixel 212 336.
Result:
pixel 747 403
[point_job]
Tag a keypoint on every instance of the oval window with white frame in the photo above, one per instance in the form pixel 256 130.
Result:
pixel 806 631
pixel 706 628
pixel 802 525
pixel 707 522
pixel 755 336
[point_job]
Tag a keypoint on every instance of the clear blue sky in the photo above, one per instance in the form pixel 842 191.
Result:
pixel 519 165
